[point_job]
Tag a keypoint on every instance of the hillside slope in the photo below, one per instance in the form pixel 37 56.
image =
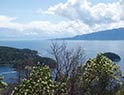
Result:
pixel 114 34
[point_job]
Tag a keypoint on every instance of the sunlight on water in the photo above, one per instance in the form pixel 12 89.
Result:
pixel 11 72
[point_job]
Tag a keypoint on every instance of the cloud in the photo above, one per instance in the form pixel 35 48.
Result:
pixel 6 19
pixel 41 29
pixel 9 22
pixel 83 17
pixel 89 14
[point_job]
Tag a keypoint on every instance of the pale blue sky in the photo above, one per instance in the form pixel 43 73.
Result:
pixel 26 9
pixel 58 18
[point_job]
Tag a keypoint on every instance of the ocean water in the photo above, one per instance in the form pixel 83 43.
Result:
pixel 8 73
pixel 91 48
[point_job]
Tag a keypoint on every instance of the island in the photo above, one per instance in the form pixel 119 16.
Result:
pixel 114 57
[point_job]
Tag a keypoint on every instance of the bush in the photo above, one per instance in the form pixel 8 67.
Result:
pixel 99 76
pixel 39 83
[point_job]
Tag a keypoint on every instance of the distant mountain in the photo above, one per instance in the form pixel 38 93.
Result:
pixel 113 34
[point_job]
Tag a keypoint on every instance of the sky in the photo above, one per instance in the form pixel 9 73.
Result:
pixel 46 19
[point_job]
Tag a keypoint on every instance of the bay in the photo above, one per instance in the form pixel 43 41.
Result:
pixel 91 48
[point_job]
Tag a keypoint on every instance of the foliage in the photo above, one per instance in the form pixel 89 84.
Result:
pixel 39 83
pixel 3 85
pixel 120 91
pixel 22 57
pixel 67 60
pixel 99 76
pixel 10 55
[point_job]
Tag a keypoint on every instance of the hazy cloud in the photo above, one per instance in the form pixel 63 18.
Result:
pixel 42 29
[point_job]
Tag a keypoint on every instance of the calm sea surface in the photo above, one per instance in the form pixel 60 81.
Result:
pixel 91 48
